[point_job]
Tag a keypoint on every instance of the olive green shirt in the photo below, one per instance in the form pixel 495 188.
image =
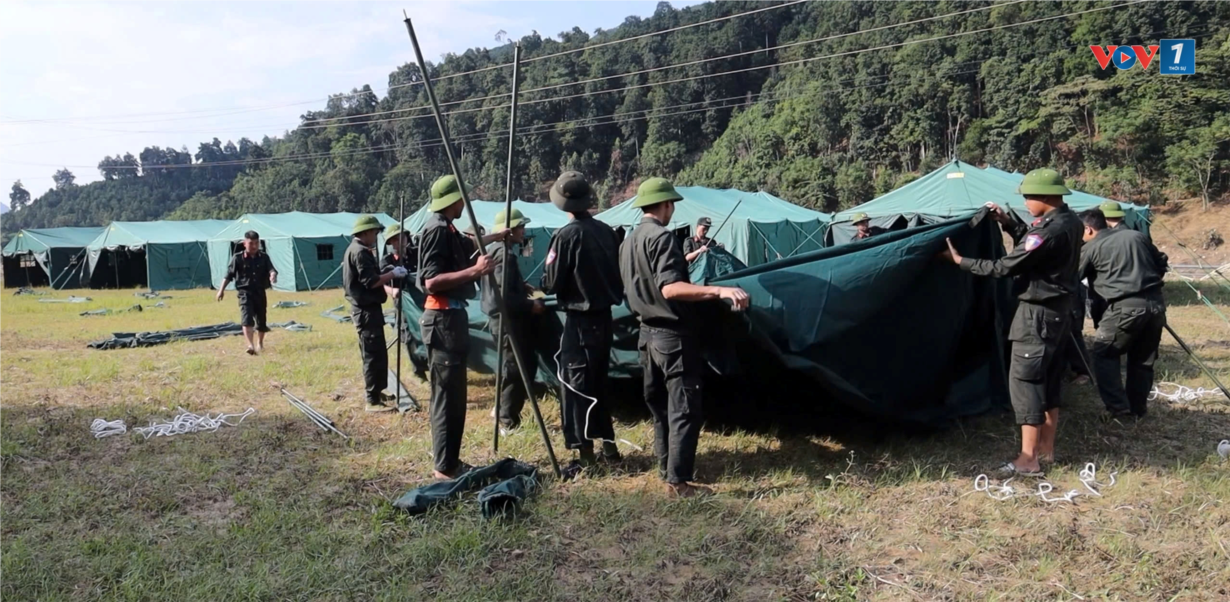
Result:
pixel 1121 263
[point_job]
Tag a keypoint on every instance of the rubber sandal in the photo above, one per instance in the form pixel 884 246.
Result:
pixel 1010 470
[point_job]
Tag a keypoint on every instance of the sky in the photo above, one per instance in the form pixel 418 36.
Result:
pixel 88 79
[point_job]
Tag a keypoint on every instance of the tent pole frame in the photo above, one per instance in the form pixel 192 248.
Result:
pixel 508 202
pixel 465 198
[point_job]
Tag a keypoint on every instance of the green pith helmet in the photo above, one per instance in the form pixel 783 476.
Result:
pixel 1112 210
pixel 392 231
pixel 444 192
pixel 572 193
pixel 1043 182
pixel 365 223
pixel 859 217
pixel 654 191
pixel 517 220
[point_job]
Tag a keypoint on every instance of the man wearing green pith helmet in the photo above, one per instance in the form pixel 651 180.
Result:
pixel 449 267
pixel 1045 258
pixel 655 277
pixel 364 289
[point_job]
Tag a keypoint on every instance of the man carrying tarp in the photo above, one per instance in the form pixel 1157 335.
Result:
pixel 1126 269
pixel 252 272
pixel 862 222
pixel 655 277
pixel 1046 256
pixel 582 271
pixel 364 288
pixel 447 274
pixel 399 252
pixel 698 244
pixel 523 324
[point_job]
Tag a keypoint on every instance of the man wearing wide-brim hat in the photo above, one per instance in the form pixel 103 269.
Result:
pixel 448 274
pixel 399 251
pixel 655 277
pixel 1045 259
pixel 863 227
pixel 582 271
pixel 363 285
pixel 522 312
pixel 1113 212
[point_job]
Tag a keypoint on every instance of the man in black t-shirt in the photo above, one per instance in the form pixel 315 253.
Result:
pixel 252 272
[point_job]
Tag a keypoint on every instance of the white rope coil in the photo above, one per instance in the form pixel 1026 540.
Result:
pixel 187 422
pixel 1004 491
pixel 103 428
pixel 1223 449
pixel 1183 393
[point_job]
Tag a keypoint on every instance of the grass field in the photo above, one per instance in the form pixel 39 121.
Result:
pixel 276 510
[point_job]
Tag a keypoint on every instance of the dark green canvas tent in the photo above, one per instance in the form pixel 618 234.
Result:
pixel 161 255
pixel 306 248
pixel 763 228
pixel 880 327
pixel 52 257
pixel 545 219
pixel 955 190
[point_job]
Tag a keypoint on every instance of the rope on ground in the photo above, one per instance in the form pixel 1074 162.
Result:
pixel 187 422
pixel 1223 449
pixel 1182 393
pixel 103 428
pixel 1005 491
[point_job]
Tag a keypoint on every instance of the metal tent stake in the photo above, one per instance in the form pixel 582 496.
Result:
pixel 508 199
pixel 465 198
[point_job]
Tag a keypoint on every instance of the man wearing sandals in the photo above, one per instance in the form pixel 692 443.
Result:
pixel 1046 258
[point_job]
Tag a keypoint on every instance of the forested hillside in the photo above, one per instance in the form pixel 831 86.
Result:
pixel 823 103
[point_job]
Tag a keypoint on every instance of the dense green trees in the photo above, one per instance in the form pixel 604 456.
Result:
pixel 783 100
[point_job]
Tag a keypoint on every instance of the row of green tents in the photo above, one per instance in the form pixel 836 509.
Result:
pixel 306 248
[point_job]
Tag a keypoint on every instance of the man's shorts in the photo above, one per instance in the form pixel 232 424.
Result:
pixel 252 307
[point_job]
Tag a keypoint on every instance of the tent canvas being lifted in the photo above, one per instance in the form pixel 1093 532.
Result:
pixel 52 257
pixel 161 255
pixel 763 228
pixel 959 189
pixel 306 248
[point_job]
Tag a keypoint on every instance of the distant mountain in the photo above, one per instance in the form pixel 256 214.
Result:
pixel 3 208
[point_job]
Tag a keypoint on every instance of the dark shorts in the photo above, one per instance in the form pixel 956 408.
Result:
pixel 1036 372
pixel 252 306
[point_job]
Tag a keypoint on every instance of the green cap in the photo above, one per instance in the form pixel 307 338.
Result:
pixel 365 223
pixel 1043 182
pixel 572 193
pixel 859 217
pixel 444 192
pixel 1112 209
pixel 654 191
pixel 517 220
pixel 392 231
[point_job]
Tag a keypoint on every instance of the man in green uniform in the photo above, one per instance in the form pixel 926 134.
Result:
pixel 523 313
pixel 449 267
pixel 252 272
pixel 1126 269
pixel 399 251
pixel 699 243
pixel 364 288
pixel 582 271
pixel 863 223
pixel 1045 257
pixel 655 277
pixel 1113 212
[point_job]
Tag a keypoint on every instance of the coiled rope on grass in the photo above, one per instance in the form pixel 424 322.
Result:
pixel 1005 491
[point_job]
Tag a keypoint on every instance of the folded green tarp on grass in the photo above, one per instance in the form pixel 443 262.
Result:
pixel 504 486
pixel 126 340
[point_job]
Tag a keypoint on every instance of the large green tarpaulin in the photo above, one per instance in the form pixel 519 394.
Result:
pixel 955 190
pixel 545 219
pixel 763 228
pixel 880 327
pixel 306 248
pixel 161 255
pixel 47 257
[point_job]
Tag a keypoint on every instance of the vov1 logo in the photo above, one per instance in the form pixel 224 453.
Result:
pixel 1177 57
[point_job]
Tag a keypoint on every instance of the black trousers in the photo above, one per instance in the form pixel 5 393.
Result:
pixel 584 361
pixel 369 321
pixel 673 390
pixel 525 330
pixel 1131 327
pixel 420 367
pixel 446 333
pixel 1035 374
pixel 252 308
pixel 1077 355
